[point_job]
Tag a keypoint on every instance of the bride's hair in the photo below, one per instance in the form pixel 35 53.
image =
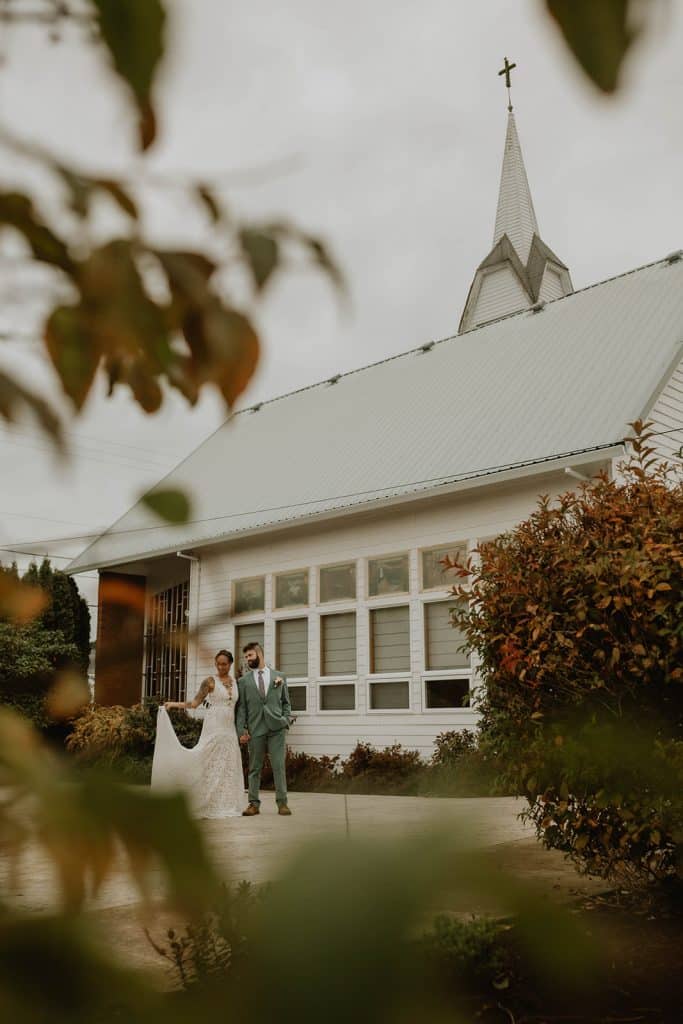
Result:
pixel 225 654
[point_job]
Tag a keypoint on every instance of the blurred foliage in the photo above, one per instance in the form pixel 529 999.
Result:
pixel 146 317
pixel 576 615
pixel 599 35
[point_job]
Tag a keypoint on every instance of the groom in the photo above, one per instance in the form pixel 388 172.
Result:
pixel 262 719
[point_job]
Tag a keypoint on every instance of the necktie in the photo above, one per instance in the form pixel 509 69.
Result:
pixel 261 685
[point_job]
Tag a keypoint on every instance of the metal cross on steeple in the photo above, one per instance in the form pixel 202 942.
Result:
pixel 505 70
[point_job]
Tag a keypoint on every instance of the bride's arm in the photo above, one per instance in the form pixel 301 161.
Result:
pixel 203 692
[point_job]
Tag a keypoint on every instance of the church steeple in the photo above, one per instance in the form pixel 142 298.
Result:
pixel 520 270
pixel 515 216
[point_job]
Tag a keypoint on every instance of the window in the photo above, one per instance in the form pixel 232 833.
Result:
pixel 166 644
pixel 249 595
pixel 291 588
pixel 251 632
pixel 390 639
pixel 446 693
pixel 338 697
pixel 390 696
pixel 441 639
pixel 433 573
pixel 292 647
pixel 297 697
pixel 388 575
pixel 338 582
pixel 338 644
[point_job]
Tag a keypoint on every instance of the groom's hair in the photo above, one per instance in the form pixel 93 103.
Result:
pixel 253 646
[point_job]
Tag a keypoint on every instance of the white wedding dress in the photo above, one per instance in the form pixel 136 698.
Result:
pixel 210 773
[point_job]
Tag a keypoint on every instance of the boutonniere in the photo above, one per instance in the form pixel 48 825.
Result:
pixel 278 681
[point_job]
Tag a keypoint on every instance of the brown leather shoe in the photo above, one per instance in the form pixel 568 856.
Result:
pixel 283 809
pixel 250 811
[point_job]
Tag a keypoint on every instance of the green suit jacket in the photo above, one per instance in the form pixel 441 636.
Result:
pixel 256 715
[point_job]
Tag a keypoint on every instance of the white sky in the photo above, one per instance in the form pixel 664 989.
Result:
pixel 383 126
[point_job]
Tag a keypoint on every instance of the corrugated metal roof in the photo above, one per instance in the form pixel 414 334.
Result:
pixel 524 389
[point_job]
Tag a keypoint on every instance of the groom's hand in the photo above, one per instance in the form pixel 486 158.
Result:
pixel 244 738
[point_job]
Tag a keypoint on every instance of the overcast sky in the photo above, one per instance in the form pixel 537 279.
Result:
pixel 379 127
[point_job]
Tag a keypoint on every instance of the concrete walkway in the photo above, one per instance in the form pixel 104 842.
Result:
pixel 258 848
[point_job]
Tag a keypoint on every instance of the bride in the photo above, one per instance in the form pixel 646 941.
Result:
pixel 211 772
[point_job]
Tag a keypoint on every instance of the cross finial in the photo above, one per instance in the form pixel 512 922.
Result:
pixel 505 70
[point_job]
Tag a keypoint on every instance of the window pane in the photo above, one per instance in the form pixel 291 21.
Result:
pixel 433 573
pixel 388 575
pixel 338 582
pixel 389 695
pixel 446 693
pixel 390 630
pixel 338 697
pixel 291 589
pixel 442 640
pixel 292 646
pixel 338 640
pixel 249 595
pixel 297 697
pixel 251 633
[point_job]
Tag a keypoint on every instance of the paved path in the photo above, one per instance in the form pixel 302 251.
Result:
pixel 257 849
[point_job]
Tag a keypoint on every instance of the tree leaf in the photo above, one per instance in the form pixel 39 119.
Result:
pixel 209 202
pixel 262 252
pixel 14 395
pixel 133 32
pixel 73 351
pixel 598 34
pixel 172 505
pixel 16 210
pixel 121 197
pixel 20 602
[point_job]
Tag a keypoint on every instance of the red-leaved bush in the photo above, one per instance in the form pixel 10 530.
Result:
pixel 577 617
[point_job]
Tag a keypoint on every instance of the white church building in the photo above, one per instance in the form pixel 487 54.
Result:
pixel 331 556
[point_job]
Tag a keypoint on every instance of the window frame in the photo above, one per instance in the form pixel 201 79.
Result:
pixel 254 611
pixel 334 602
pixel 441 675
pixel 338 681
pixel 371 641
pixel 291 684
pixel 237 648
pixel 282 616
pixel 377 679
pixel 461 544
pixel 291 572
pixel 344 676
pixel 434 597
pixel 405 553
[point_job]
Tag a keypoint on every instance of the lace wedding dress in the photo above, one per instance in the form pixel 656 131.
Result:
pixel 210 773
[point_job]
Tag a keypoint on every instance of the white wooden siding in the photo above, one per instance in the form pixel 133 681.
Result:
pixel 444 521
pixel 551 285
pixel 501 292
pixel 667 419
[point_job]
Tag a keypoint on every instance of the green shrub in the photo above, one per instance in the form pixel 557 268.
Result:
pixel 108 734
pixel 459 767
pixel 576 616
pixel 469 952
pixel 390 770
pixel 305 773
